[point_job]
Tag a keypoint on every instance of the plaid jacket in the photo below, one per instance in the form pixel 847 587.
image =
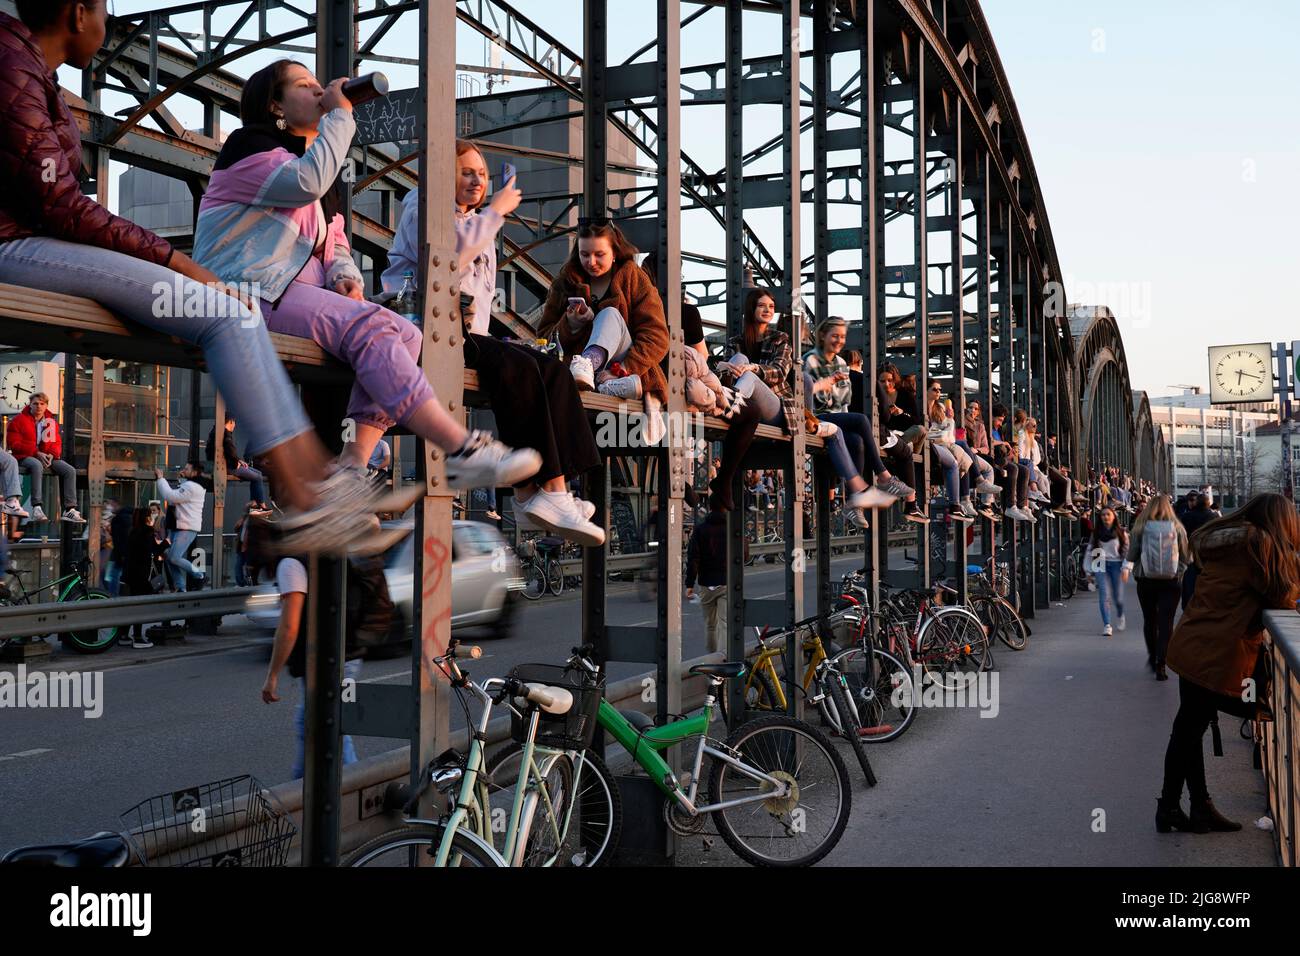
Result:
pixel 777 361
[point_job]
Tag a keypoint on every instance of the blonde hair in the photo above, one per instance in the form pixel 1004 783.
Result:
pixel 1158 509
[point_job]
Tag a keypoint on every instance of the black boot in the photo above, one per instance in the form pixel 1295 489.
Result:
pixel 1206 819
pixel 1161 673
pixel 1170 816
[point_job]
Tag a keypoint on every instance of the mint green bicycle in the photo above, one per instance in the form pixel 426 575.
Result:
pixel 545 801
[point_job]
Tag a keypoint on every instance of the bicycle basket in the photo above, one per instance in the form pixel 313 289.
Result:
pixel 571 731
pixel 232 822
pixel 526 549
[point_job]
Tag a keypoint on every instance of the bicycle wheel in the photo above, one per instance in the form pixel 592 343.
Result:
pixel 886 702
pixel 1008 626
pixel 555 577
pixel 416 844
pixel 598 817
pixel 952 647
pixel 90 641
pixel 534 580
pixel 799 828
pixel 541 821
pixel 849 724
pixel 761 695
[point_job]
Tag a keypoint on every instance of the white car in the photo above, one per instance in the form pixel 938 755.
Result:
pixel 485 582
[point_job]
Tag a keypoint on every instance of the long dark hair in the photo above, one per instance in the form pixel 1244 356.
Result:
pixel 624 251
pixel 260 89
pixel 1274 546
pixel 748 335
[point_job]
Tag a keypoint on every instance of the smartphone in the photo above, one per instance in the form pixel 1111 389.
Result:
pixel 576 302
pixel 508 172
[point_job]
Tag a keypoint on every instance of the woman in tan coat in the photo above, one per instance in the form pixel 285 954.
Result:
pixel 610 317
pixel 1249 563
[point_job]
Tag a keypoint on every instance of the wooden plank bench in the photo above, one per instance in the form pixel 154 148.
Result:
pixel 52 321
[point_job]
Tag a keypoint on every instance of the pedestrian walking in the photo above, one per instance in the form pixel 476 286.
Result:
pixel 1248 563
pixel 1158 553
pixel 1108 547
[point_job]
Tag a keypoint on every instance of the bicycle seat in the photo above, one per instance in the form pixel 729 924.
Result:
pixel 549 544
pixel 726 670
pixel 101 851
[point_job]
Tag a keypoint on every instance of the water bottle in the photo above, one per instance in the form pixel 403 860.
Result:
pixel 406 304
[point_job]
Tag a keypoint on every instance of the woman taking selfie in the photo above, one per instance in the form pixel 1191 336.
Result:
pixel 533 396
pixel 1248 564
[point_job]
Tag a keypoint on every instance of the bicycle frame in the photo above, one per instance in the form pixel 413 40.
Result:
pixel 645 750
pixel 473 793
pixel 812 645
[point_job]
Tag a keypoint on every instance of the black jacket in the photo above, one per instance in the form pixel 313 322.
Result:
pixel 706 558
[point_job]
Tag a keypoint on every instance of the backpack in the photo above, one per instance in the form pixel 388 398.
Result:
pixel 1160 550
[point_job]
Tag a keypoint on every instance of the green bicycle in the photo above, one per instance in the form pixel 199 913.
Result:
pixel 71 587
pixel 778 790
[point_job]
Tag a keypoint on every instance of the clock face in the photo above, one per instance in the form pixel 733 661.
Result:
pixel 1241 373
pixel 17 385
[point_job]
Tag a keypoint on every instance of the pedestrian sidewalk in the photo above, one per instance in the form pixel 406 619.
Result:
pixel 1066 773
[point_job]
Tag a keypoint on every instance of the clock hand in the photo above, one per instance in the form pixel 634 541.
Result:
pixel 1239 374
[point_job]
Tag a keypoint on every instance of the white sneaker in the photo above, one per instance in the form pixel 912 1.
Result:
pixel 14 508
pixel 485 462
pixel 869 499
pixel 72 516
pixel 1015 514
pixel 968 509
pixel 524 523
pixel 988 488
pixel 827 429
pixel 1106 631
pixel 584 374
pixel 344 515
pixel 1122 623
pixel 629 387
pixel 557 512
pixel 38 514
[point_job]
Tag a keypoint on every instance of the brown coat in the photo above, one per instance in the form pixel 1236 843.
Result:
pixel 1218 639
pixel 634 296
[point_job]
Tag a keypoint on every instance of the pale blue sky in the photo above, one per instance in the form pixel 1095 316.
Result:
pixel 1165 134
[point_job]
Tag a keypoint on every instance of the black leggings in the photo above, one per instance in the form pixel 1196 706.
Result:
pixel 740 435
pixel 536 405
pixel 1159 600
pixel 1185 756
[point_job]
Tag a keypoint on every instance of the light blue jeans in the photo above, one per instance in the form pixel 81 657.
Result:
pixel 609 331
pixel 1110 589
pixel 351 669
pixel 178 565
pixel 235 343
pixel 757 392
pixel 11 483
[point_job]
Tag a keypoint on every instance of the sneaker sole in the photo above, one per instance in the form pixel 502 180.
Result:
pixel 524 465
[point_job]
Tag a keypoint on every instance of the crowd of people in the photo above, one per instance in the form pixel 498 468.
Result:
pixel 272 220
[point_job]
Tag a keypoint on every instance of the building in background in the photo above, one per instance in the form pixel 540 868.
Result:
pixel 1217 446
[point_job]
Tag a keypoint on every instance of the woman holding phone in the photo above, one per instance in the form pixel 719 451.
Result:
pixel 533 396
pixel 828 388
pixel 610 318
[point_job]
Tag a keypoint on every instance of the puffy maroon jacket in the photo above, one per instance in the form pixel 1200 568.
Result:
pixel 21 436
pixel 40 159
